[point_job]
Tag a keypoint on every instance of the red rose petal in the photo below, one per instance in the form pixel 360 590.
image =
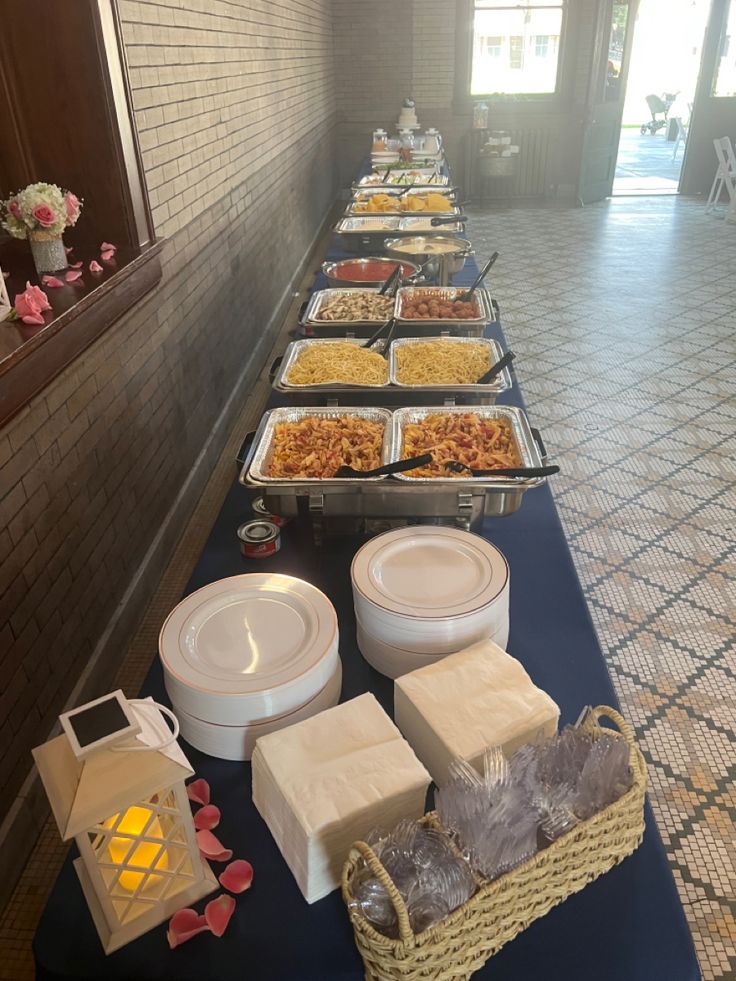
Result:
pixel 207 817
pixel 107 256
pixel 237 876
pixel 183 925
pixel 211 847
pixel 51 281
pixel 76 265
pixel 73 275
pixel 95 267
pixel 38 319
pixel 218 913
pixel 107 247
pixel 199 791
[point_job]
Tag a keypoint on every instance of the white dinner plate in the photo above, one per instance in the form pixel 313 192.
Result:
pixel 428 572
pixel 238 742
pixel 267 642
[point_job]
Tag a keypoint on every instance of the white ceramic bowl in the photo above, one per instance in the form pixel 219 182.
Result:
pixel 394 661
pixel 430 589
pixel 238 742
pixel 249 648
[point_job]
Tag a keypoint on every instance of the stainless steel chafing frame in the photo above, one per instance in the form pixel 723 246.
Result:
pixel 485 316
pixel 263 441
pixel 318 299
pixel 425 182
pixel 295 350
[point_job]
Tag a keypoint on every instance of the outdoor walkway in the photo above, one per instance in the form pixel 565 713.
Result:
pixel 645 164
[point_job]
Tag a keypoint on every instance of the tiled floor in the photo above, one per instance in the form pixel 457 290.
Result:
pixel 603 305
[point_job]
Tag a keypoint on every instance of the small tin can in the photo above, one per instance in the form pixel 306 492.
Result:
pixel 261 511
pixel 259 539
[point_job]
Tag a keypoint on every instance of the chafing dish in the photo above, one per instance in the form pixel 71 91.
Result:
pixel 352 266
pixel 422 225
pixel 463 501
pixel 392 392
pixel 423 178
pixel 441 256
pixel 408 193
pixel 263 442
pixel 407 293
pixel 319 298
pixel 365 234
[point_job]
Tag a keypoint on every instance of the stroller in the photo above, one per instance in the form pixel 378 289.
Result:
pixel 658 107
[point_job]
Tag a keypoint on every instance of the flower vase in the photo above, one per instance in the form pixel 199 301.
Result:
pixel 48 252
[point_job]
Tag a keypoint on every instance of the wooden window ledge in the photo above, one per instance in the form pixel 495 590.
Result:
pixel 31 356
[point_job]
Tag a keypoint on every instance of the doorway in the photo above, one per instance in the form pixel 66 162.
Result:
pixel 660 92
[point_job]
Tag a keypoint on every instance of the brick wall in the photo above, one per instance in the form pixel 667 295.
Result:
pixel 235 107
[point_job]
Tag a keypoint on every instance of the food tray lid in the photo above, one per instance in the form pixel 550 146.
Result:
pixel 426 572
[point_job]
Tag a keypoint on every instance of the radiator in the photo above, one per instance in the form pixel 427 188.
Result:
pixel 530 179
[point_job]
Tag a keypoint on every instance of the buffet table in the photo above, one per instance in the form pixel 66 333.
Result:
pixel 626 926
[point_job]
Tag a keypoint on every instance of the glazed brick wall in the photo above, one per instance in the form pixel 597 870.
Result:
pixel 235 108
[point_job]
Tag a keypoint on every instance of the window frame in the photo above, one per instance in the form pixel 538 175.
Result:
pixel 522 101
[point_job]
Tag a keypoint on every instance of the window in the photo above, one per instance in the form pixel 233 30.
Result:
pixel 491 46
pixel 724 83
pixel 515 47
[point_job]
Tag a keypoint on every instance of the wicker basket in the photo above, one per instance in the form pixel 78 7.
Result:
pixel 459 945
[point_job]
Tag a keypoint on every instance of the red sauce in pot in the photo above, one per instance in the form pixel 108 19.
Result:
pixel 369 272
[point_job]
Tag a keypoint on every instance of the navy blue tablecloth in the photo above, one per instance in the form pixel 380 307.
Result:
pixel 627 926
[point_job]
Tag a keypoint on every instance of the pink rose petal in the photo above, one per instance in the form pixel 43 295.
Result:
pixel 183 925
pixel 95 267
pixel 107 256
pixel 218 913
pixel 36 318
pixel 199 791
pixel 211 847
pixel 106 247
pixel 237 876
pixel 76 265
pixel 207 818
pixel 51 281
pixel 73 275
pixel 68 249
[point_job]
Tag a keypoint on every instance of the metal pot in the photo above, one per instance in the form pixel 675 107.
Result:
pixel 439 266
pixel 331 268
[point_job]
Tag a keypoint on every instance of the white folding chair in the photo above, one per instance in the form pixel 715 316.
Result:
pixel 725 174
pixel 681 135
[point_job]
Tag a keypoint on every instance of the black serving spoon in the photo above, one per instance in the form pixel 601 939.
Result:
pixel 467 296
pixel 458 467
pixel 391 281
pixel 389 327
pixel 496 369
pixel 447 220
pixel 397 467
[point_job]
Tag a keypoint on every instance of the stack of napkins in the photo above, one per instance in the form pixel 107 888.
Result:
pixel 467 702
pixel 326 782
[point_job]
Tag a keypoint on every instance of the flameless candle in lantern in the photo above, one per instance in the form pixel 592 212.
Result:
pixel 115 781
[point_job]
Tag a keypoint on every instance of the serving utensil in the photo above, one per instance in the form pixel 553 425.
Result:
pixel 447 220
pixel 377 342
pixel 458 467
pixel 398 466
pixel 496 369
pixel 391 282
pixel 467 296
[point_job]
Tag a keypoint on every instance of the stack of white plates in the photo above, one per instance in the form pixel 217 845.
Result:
pixel 424 592
pixel 248 655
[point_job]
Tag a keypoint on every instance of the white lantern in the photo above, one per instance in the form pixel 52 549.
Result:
pixel 115 782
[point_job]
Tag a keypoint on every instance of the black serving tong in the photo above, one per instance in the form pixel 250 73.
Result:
pixel 377 342
pixel 447 220
pixel 399 466
pixel 496 369
pixel 392 282
pixel 458 467
pixel 467 296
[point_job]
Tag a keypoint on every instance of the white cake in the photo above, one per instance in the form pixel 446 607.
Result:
pixel 408 119
pixel 466 702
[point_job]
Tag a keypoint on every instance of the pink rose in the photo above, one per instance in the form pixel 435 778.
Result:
pixel 30 304
pixel 14 209
pixel 44 215
pixel 72 207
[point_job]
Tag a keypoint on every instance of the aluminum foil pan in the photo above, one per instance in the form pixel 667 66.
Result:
pixel 525 442
pixel 294 352
pixel 485 310
pixel 501 383
pixel 424 179
pixel 320 297
pixel 423 226
pixel 364 224
pixel 263 442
